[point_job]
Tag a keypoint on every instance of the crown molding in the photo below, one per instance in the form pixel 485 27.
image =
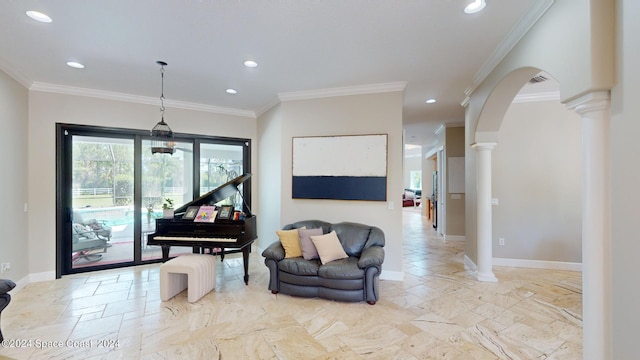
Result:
pixel 15 73
pixel 519 30
pixel 343 91
pixel 537 97
pixel 146 100
pixel 266 107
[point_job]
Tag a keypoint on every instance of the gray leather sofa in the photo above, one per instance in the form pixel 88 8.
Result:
pixel 6 285
pixel 352 279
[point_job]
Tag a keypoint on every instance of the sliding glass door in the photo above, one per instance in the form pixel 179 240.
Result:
pixel 164 177
pixel 101 223
pixel 220 163
pixel 111 189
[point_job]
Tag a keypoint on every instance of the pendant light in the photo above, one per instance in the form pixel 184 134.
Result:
pixel 162 142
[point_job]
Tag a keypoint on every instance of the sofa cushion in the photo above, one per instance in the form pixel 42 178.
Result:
pixel 352 236
pixel 309 250
pixel 346 268
pixel 329 247
pixel 290 241
pixel 300 266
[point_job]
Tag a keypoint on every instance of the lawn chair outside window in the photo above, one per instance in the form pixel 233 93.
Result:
pixel 87 244
pixel 98 226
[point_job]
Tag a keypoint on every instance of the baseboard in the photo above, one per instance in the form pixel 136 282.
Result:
pixel 454 237
pixel 392 275
pixel 538 264
pixel 469 265
pixel 42 276
pixel 20 284
pixel 32 278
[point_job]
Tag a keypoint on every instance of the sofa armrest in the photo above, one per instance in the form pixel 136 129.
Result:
pixel 6 285
pixel 371 256
pixel 274 251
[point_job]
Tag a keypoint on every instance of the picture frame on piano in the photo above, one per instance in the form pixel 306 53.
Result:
pixel 191 213
pixel 206 213
pixel 225 212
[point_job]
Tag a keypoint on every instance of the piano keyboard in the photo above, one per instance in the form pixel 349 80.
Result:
pixel 188 238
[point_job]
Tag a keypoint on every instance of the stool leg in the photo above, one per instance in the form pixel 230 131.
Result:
pixel 171 284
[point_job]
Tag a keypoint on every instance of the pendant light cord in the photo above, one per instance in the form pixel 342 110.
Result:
pixel 162 91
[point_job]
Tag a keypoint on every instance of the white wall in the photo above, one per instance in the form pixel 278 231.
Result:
pixel 379 113
pixel 537 179
pixel 13 183
pixel 270 145
pixel 47 109
pixel 625 128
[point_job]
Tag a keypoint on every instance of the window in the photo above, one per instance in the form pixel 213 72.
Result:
pixel 415 179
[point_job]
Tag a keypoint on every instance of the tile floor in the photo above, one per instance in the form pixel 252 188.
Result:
pixel 438 312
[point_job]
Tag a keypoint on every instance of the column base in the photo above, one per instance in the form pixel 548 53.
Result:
pixel 486 277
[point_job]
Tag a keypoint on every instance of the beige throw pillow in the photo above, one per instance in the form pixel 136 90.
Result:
pixel 329 247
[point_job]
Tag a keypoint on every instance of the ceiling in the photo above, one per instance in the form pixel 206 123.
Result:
pixel 299 45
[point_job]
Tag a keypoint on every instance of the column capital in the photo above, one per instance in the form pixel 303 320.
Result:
pixel 484 145
pixel 593 101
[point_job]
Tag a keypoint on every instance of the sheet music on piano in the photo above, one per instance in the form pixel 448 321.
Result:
pixel 230 235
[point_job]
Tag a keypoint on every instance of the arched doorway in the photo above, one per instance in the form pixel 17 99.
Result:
pixel 593 108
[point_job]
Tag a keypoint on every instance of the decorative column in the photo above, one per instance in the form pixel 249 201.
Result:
pixel 484 226
pixel 596 224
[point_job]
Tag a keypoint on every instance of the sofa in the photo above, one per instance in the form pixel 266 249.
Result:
pixel 352 278
pixel 6 285
pixel 411 198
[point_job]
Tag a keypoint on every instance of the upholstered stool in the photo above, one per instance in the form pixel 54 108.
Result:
pixel 195 272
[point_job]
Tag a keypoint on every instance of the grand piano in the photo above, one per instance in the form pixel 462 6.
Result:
pixel 223 235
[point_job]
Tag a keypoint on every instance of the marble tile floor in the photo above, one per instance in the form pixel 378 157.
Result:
pixel 439 311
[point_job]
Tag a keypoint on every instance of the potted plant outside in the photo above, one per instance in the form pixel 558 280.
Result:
pixel 167 209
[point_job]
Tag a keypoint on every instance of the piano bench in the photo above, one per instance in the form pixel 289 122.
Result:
pixel 195 272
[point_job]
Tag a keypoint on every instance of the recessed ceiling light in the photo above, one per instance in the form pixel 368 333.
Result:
pixel 74 64
pixel 232 91
pixel 38 16
pixel 430 101
pixel 250 63
pixel 475 6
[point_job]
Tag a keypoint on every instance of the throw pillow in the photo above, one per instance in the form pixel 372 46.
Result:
pixel 290 242
pixel 329 247
pixel 309 251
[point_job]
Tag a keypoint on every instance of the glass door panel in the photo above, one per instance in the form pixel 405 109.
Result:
pixel 220 163
pixel 102 200
pixel 164 177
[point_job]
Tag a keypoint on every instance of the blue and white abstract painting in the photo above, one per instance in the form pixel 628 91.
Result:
pixel 352 167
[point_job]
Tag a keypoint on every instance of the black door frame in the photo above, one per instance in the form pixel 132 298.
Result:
pixel 64 134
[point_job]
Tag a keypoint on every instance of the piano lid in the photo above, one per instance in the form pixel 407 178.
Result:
pixel 218 194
